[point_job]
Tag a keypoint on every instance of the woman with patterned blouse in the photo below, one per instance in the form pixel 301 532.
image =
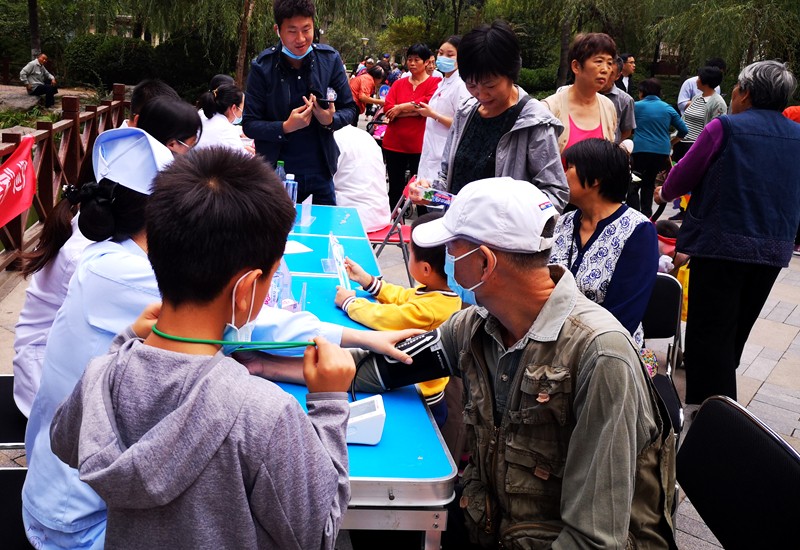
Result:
pixel 612 250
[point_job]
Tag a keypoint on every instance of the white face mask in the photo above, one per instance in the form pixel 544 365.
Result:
pixel 244 333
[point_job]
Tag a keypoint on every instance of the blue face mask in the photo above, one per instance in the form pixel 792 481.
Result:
pixel 466 294
pixel 286 51
pixel 243 333
pixel 445 64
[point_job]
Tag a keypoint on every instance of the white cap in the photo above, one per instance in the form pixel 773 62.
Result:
pixel 130 157
pixel 290 176
pixel 502 213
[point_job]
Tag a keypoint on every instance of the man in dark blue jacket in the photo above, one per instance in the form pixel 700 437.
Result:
pixel 297 95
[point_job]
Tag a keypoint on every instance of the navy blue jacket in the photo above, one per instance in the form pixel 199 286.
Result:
pixel 747 208
pixel 267 103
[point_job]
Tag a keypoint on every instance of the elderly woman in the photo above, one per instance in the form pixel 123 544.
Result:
pixel 501 131
pixel 402 143
pixel 583 111
pixel 612 250
pixel 740 226
pixel 652 142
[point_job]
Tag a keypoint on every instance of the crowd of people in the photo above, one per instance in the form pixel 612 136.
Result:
pixel 537 277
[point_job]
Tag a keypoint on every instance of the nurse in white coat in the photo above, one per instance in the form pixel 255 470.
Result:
pixel 221 114
pixel 440 111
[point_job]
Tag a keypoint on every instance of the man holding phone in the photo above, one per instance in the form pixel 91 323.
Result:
pixel 297 95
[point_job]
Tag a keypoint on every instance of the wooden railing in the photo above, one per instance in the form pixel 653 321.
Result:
pixel 62 154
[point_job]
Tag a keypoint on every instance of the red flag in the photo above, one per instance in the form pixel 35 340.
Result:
pixel 17 182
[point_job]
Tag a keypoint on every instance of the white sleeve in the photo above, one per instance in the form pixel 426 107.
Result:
pixel 279 325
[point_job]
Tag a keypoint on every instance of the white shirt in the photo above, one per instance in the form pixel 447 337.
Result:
pixel 689 89
pixel 43 297
pixel 448 96
pixel 360 178
pixel 218 130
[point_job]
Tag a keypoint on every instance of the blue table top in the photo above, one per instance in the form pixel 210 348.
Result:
pixel 358 250
pixel 320 292
pixel 394 456
pixel 340 220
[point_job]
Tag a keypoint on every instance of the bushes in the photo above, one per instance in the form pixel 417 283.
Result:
pixel 534 80
pixel 103 60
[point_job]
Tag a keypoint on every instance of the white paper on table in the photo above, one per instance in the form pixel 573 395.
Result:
pixel 294 247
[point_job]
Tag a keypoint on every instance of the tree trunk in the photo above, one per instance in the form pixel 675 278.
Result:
pixel 244 26
pixel 33 23
pixel 563 65
pixel 457 5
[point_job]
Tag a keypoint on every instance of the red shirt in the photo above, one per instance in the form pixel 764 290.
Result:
pixel 362 85
pixel 404 134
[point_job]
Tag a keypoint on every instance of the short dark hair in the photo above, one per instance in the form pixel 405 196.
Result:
pixel 453 40
pixel 212 214
pixel 286 9
pixel 220 99
pixel 619 63
pixel 166 119
pixel 667 228
pixel 111 211
pixel 420 50
pixel 717 62
pixel 770 83
pixel 651 86
pixel 585 45
pixel 489 50
pixel 433 255
pixel 149 89
pixel 710 76
pixel 376 71
pixel 625 57
pixel 602 161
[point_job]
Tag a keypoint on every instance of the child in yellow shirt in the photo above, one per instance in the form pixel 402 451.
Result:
pixel 426 306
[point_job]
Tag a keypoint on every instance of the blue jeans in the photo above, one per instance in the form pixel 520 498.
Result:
pixel 319 185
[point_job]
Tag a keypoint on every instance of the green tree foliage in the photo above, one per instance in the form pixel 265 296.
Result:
pixel 739 31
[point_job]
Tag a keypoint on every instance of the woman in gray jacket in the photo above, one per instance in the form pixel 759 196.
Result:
pixel 500 131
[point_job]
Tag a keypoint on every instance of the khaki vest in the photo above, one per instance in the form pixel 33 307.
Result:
pixel 512 487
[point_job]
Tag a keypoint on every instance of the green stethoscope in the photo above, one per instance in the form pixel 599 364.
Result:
pixel 241 346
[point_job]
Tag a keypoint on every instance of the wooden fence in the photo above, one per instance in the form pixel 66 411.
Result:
pixel 62 155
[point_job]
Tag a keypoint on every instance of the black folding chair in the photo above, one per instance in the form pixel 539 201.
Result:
pixel 662 319
pixel 741 477
pixel 11 481
pixel 12 422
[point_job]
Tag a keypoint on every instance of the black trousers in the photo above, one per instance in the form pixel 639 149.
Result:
pixel 396 166
pixel 47 91
pixel 725 299
pixel 648 165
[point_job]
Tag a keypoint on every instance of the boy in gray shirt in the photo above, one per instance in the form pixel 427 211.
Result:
pixel 185 446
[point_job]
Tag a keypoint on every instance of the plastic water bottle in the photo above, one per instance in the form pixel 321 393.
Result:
pixel 291 187
pixel 274 297
pixel 280 171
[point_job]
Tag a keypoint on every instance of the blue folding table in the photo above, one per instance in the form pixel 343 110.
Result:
pixel 405 480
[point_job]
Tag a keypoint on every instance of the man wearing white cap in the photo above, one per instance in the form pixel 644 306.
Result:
pixel 568 446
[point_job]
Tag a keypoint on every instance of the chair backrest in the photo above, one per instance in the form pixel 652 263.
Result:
pixel 11 480
pixel 741 477
pixel 12 422
pixel 662 318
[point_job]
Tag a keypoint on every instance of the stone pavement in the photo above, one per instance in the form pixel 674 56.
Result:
pixel 768 378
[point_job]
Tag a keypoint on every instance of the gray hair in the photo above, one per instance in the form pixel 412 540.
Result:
pixel 770 83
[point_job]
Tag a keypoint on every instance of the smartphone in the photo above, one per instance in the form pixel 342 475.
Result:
pixel 321 101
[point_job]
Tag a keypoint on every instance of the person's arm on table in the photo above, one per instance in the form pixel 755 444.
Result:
pixel 289 369
pixel 692 168
pixel 599 474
